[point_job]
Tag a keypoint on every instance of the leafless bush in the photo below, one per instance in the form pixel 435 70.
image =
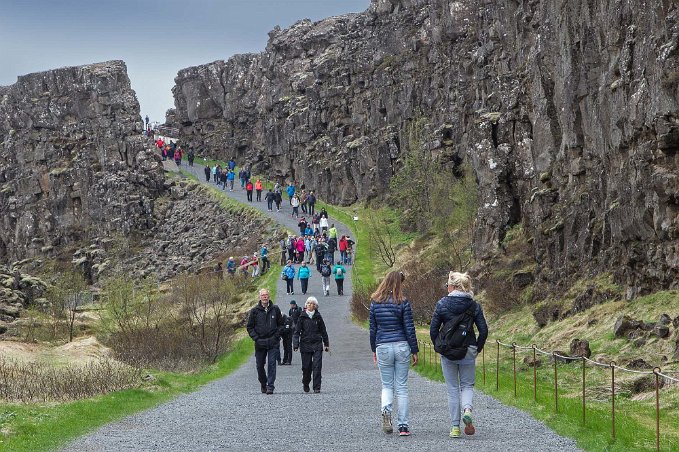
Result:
pixel 40 382
pixel 500 297
pixel 423 290
pixel 381 240
pixel 360 301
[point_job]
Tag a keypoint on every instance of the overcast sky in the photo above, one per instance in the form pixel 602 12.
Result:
pixel 156 38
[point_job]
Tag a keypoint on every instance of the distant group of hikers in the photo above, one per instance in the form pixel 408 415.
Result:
pixel 172 151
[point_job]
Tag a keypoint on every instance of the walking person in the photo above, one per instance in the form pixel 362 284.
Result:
pixel 284 251
pixel 286 335
pixel 311 337
pixel 394 344
pixel 264 254
pixel 325 271
pixel 288 275
pixel 278 199
pixel 294 312
pixel 311 201
pixel 207 173
pixel 258 189
pixel 269 197
pixel 248 190
pixel 264 323
pixel 294 202
pixel 303 274
pixel 338 270
pixel 230 176
pixel 459 307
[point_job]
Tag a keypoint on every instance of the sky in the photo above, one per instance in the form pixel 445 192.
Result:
pixel 155 38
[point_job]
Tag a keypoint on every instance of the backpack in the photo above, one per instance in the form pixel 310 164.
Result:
pixel 452 339
pixel 325 270
pixel 339 271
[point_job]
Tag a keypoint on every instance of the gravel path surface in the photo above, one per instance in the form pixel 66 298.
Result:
pixel 232 413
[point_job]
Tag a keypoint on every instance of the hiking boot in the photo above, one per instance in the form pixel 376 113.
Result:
pixel 316 391
pixel 269 391
pixel 386 422
pixel 263 389
pixel 306 388
pixel 403 431
pixel 455 432
pixel 468 426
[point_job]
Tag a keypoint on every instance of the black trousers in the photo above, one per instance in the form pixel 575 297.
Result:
pixel 249 192
pixel 312 363
pixel 259 195
pixel 270 355
pixel 265 264
pixel 305 284
pixel 284 254
pixel 340 286
pixel 311 209
pixel 289 285
pixel 287 348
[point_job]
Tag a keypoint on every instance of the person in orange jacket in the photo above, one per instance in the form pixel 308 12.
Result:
pixel 258 189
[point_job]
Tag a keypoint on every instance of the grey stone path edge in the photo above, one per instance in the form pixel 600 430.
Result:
pixel 232 413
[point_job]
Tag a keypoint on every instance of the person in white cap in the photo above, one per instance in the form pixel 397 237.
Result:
pixel 311 338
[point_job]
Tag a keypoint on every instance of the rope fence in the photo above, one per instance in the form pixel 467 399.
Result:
pixel 430 358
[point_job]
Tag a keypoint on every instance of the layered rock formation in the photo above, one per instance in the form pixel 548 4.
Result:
pixel 73 162
pixel 568 111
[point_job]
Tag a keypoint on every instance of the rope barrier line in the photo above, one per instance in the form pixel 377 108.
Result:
pixel 667 377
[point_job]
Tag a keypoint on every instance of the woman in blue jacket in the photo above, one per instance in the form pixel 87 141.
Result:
pixel 393 342
pixel 460 374
pixel 288 274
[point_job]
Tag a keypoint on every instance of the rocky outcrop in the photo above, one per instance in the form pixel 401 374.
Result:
pixel 73 162
pixel 567 110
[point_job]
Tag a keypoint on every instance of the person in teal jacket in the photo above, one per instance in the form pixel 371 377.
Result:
pixel 303 274
pixel 338 271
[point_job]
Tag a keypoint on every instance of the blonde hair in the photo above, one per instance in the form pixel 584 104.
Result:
pixel 461 280
pixel 390 287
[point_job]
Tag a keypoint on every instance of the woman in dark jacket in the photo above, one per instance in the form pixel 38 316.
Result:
pixel 393 342
pixel 310 337
pixel 460 374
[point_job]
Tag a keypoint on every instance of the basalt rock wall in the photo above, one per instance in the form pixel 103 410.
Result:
pixel 73 162
pixel 567 110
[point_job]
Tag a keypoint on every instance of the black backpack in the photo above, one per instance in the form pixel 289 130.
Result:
pixel 455 334
pixel 325 270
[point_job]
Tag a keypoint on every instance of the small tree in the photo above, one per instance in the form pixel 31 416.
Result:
pixel 66 295
pixel 381 240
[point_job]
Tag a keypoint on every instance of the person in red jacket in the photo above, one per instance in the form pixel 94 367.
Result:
pixel 258 189
pixel 343 245
pixel 248 190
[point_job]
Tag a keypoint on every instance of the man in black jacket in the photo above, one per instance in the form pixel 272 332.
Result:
pixel 294 312
pixel 265 324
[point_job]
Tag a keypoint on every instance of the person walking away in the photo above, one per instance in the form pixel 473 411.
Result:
pixel 264 254
pixel 460 308
pixel 190 156
pixel 294 202
pixel 244 263
pixel 303 274
pixel 230 177
pixel 343 249
pixel 291 191
pixel 258 189
pixel 241 176
pixel 291 247
pixel 311 201
pixel 207 173
pixel 264 326
pixel 222 178
pixel 248 190
pixel 350 250
pixel 286 335
pixel 288 275
pixel 326 271
pixel 332 247
pixel 214 174
pixel 301 225
pixel 394 344
pixel 338 270
pixel 320 250
pixel 303 201
pixel 278 199
pixel 269 197
pixel 284 250
pixel 311 337
pixel 332 232
pixel 231 164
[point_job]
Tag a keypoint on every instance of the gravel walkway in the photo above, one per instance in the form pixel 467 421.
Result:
pixel 232 413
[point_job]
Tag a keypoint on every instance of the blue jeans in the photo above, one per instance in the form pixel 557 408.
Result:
pixel 393 360
pixel 460 377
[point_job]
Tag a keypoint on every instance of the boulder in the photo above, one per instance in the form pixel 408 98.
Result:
pixel 664 320
pixel 644 383
pixel 528 360
pixel 624 324
pixel 580 347
pixel 638 364
pixel 662 331
pixel 521 280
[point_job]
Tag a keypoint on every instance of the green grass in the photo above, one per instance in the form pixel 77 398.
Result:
pixel 47 426
pixel 635 423
pixel 188 174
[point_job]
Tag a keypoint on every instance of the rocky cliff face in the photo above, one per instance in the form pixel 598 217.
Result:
pixel 568 111
pixel 73 162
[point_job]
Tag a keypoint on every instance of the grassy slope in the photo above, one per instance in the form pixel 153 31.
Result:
pixel 35 427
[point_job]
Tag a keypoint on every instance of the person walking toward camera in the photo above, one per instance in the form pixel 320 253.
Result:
pixel 452 333
pixel 264 326
pixel 303 274
pixel 310 338
pixel 288 275
pixel 394 344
